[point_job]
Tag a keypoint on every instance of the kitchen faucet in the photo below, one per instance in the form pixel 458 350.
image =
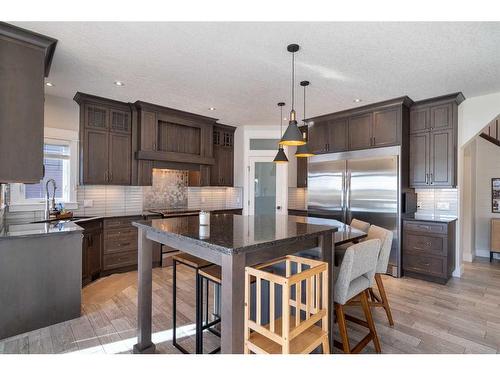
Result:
pixel 50 207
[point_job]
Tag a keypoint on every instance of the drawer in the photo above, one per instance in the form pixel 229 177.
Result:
pixel 118 260
pixel 426 227
pixel 417 243
pixel 425 264
pixel 120 222
pixel 120 233
pixel 120 244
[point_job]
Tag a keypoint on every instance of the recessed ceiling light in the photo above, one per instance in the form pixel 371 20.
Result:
pixel 211 109
pixel 357 100
pixel 119 83
pixel 50 84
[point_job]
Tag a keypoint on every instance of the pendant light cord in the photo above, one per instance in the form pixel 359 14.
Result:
pixel 281 122
pixel 293 80
pixel 304 105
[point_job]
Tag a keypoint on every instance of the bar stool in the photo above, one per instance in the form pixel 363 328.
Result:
pixel 341 249
pixel 385 236
pixel 206 275
pixel 296 333
pixel 354 278
pixel 196 264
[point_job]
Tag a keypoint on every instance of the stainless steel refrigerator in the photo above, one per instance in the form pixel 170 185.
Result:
pixel 365 185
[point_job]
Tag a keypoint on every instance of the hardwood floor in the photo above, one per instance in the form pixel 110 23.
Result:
pixel 460 317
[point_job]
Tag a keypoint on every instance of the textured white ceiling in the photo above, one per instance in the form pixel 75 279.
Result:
pixel 243 69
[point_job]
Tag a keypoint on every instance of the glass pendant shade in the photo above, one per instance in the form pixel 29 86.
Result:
pixel 280 156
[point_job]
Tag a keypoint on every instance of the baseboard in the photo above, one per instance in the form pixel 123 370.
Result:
pixel 486 254
pixel 459 271
pixel 469 257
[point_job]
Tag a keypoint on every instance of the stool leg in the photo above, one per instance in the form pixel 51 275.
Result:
pixel 346 347
pixel 206 300
pixel 385 300
pixel 369 320
pixel 199 310
pixel 174 303
pixel 326 346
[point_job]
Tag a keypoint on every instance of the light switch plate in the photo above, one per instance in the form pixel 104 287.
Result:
pixel 88 203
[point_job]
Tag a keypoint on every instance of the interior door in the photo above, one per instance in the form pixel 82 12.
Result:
pixel 268 186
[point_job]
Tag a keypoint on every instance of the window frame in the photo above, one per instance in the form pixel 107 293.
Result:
pixel 18 201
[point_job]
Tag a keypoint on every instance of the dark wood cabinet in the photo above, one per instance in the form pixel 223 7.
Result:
pixel 25 59
pixel 360 131
pixel 105 141
pixel 302 163
pixel 377 125
pixel 433 142
pixel 429 249
pixel 222 172
pixel 386 127
pixel 91 250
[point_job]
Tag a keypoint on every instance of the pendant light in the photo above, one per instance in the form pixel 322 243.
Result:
pixel 280 156
pixel 292 136
pixel 303 151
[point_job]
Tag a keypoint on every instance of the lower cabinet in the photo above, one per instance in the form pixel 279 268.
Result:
pixel 429 250
pixel 91 250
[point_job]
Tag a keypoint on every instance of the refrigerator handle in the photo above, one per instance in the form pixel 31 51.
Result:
pixel 348 197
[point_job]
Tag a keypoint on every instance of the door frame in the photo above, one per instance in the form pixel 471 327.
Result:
pixel 281 184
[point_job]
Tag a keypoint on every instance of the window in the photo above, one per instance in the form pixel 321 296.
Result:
pixel 61 164
pixel 56 165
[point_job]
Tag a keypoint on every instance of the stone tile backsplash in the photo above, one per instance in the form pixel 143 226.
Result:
pixel 170 189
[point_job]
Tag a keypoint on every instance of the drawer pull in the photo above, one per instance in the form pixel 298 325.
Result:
pixel 124 244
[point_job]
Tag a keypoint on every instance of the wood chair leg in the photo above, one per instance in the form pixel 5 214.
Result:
pixel 339 310
pixel 326 346
pixel 385 300
pixel 369 320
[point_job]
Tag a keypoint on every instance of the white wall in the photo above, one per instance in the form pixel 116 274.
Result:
pixel 61 113
pixel 487 167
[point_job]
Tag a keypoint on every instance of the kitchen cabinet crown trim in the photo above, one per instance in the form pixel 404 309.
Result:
pixel 403 100
pixel 81 97
pixel 458 97
pixel 172 111
pixel 44 42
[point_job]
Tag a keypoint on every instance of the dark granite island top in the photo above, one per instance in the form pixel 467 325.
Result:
pixel 233 242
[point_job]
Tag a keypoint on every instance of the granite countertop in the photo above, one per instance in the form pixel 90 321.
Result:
pixel 231 234
pixel 430 217
pixel 13 231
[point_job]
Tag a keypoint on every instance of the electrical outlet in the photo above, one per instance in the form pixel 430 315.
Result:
pixel 238 200
pixel 88 203
pixel 419 204
pixel 443 206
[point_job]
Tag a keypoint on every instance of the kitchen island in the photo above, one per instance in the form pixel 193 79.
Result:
pixel 40 275
pixel 233 242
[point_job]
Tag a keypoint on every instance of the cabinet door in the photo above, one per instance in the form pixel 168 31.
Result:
pixel 120 121
pixel 215 170
pixel 442 116
pixel 337 135
pixel 96 117
pixel 420 119
pixel 318 137
pixel 442 158
pixel 301 172
pixel 120 159
pixel 95 157
pixel 419 159
pixel 360 131
pixel 94 253
pixel 85 256
pixel 227 167
pixel 149 131
pixel 386 127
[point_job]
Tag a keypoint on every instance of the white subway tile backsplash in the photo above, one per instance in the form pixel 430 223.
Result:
pixel 437 201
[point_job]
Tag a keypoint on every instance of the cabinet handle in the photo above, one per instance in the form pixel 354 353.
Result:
pixel 427 178
pixel 431 177
pixel 106 176
pixel 110 176
pixel 154 146
pixel 374 141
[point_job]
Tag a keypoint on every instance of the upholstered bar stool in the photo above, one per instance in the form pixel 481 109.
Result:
pixel 304 292
pixel 206 276
pixel 354 277
pixel 341 249
pixel 385 236
pixel 196 264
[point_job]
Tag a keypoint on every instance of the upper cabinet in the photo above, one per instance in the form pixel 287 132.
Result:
pixel 376 125
pixel 105 141
pixel 433 142
pixel 25 59
pixel 222 172
pixel 302 164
